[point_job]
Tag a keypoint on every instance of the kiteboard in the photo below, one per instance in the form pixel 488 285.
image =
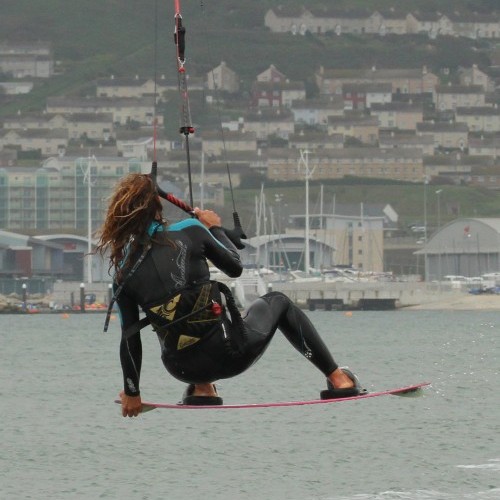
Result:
pixel 414 390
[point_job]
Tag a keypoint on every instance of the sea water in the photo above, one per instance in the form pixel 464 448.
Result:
pixel 62 437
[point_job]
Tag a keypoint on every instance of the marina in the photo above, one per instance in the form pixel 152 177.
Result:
pixel 312 293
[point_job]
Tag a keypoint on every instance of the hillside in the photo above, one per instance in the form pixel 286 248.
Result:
pixel 98 38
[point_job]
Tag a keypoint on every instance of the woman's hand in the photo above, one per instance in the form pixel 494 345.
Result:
pixel 131 405
pixel 207 217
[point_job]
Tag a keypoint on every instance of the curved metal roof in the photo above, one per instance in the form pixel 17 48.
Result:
pixel 467 235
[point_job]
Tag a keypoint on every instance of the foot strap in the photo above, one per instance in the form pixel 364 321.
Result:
pixel 190 400
pixel 333 393
pixel 202 401
pixel 347 392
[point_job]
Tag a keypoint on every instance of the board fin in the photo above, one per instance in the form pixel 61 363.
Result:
pixel 147 407
pixel 414 392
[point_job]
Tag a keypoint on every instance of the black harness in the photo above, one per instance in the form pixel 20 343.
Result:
pixel 191 313
pixel 119 289
pixel 187 314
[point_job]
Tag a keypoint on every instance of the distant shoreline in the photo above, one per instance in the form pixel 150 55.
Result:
pixel 465 302
pixel 424 302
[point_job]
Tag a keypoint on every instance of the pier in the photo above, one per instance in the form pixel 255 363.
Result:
pixel 321 295
pixel 361 295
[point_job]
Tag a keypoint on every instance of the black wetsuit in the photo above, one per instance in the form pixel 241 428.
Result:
pixel 167 269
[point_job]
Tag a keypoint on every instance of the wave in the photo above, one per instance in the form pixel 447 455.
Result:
pixel 493 464
pixel 493 494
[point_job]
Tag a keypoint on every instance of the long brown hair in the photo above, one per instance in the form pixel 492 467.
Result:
pixel 132 207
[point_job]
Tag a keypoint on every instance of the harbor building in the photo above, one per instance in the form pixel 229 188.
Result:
pixel 464 247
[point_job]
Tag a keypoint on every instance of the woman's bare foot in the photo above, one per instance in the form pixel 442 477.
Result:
pixel 340 380
pixel 204 390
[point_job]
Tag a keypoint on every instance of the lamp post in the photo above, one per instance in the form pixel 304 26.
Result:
pixel 438 192
pixel 426 180
pixel 85 165
pixel 425 207
pixel 82 297
pixel 25 295
pixel 278 197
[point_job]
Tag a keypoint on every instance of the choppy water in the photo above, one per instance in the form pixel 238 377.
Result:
pixel 62 437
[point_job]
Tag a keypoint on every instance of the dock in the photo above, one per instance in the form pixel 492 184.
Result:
pixel 321 295
pixel 373 296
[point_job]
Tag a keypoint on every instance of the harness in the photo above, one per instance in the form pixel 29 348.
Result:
pixel 186 315
pixel 189 314
pixel 119 289
pixel 196 305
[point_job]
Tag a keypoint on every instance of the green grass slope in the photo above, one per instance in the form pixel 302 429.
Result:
pixel 97 38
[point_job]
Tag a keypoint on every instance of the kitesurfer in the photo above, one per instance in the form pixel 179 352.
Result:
pixel 162 269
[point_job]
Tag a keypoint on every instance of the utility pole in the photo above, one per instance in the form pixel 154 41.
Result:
pixel 308 173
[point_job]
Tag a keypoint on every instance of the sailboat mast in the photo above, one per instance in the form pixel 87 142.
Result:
pixel 304 160
pixel 306 260
pixel 89 218
pixel 202 183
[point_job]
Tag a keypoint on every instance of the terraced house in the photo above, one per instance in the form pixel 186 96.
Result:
pixel 405 165
pixel 319 21
pixel 123 109
pixel 402 81
pixel 98 126
pixel 27 59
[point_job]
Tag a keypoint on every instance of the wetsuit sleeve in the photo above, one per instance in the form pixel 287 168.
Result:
pixel 223 254
pixel 212 244
pixel 130 348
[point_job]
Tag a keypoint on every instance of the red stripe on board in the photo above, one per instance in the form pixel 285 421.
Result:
pixel 409 388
